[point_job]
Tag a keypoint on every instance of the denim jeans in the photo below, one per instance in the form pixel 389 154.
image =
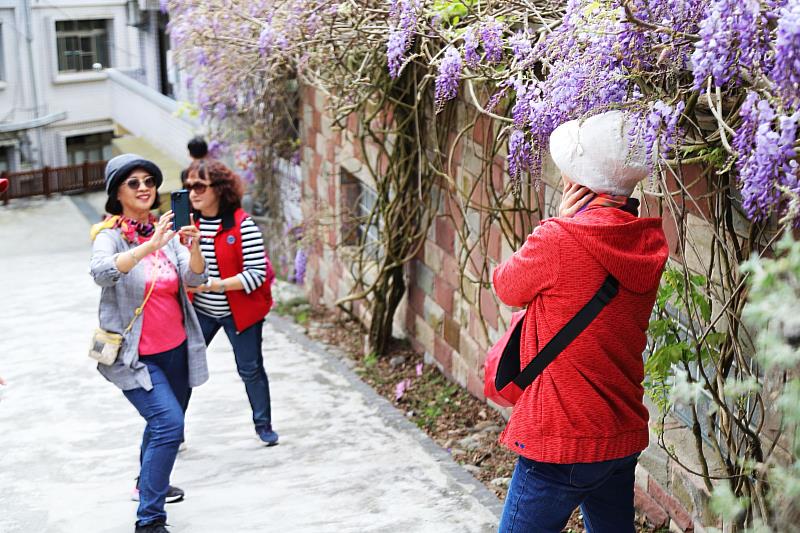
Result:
pixel 162 407
pixel 249 362
pixel 542 496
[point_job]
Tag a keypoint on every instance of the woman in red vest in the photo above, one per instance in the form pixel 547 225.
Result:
pixel 237 296
pixel 579 427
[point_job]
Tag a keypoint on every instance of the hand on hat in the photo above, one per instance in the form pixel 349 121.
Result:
pixel 573 198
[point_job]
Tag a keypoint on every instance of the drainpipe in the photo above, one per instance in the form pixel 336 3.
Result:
pixel 26 10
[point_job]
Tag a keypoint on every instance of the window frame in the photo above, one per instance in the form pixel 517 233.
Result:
pixel 93 43
pixel 357 202
pixel 86 147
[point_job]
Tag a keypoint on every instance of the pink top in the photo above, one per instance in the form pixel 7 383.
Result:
pixel 162 318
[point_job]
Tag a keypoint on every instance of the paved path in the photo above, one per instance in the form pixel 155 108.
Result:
pixel 347 462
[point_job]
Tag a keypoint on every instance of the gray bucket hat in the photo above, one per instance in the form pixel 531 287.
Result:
pixel 118 168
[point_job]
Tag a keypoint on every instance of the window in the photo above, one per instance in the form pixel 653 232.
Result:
pixel 95 147
pixel 5 159
pixel 360 226
pixel 81 43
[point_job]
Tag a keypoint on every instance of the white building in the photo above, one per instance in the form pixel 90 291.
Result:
pixel 80 79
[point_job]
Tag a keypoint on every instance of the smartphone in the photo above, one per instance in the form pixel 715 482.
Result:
pixel 180 207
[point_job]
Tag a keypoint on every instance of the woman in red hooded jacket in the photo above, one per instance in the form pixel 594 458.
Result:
pixel 579 427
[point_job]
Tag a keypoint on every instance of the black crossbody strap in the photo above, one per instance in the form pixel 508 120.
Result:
pixel 569 332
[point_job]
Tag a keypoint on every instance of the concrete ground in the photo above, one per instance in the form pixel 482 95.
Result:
pixel 347 462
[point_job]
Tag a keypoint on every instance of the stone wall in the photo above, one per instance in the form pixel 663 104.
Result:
pixel 440 316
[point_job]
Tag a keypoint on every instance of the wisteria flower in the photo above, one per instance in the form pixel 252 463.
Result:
pixel 448 78
pixel 786 69
pixel 492 40
pixel 471 56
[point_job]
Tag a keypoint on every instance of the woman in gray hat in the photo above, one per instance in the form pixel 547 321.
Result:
pixel 142 269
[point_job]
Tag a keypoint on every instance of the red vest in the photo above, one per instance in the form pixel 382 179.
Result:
pixel 247 309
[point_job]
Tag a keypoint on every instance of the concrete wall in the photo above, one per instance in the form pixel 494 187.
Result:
pixel 84 96
pixel 148 114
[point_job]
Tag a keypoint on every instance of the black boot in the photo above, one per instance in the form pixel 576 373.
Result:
pixel 155 527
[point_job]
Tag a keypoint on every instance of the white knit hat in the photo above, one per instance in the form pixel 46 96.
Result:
pixel 597 153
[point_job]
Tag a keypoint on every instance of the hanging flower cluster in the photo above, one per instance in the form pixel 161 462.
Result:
pixel 401 34
pixel 650 57
pixel 654 58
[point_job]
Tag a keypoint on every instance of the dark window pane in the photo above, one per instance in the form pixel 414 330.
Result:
pixel 65 25
pixel 101 48
pixel 62 58
pixel 93 147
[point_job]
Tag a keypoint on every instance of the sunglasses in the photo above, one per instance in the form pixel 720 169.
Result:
pixel 135 183
pixel 197 187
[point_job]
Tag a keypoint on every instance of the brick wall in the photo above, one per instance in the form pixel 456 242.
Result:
pixel 440 316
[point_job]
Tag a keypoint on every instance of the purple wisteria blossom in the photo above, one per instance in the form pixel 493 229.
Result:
pixel 521 46
pixel 661 131
pixel 767 158
pixel 448 78
pixel 492 39
pixel 730 42
pixel 220 111
pixel 495 98
pixel 396 47
pixel 401 34
pixel 519 154
pixel 200 57
pixel 266 40
pixel 521 110
pixel 300 260
pixel 217 148
pixel 471 55
pixel 786 68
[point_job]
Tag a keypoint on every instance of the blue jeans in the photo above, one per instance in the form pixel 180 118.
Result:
pixel 542 496
pixel 162 407
pixel 249 362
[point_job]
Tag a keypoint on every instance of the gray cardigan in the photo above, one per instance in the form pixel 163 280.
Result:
pixel 123 293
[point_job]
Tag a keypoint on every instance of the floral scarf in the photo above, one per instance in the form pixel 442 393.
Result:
pixel 133 231
pixel 626 203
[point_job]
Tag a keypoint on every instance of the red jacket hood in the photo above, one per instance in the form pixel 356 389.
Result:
pixel 633 250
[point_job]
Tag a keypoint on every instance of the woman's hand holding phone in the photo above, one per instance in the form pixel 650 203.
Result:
pixel 163 231
pixel 190 235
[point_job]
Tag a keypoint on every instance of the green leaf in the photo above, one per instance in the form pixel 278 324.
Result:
pixel 452 11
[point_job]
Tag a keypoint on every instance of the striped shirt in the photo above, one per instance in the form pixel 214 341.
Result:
pixel 216 304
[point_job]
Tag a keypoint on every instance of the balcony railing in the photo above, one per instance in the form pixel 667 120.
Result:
pixel 88 176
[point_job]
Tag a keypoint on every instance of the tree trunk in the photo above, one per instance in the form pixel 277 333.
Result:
pixel 400 211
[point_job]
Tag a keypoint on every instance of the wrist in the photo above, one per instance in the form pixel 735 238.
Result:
pixel 145 249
